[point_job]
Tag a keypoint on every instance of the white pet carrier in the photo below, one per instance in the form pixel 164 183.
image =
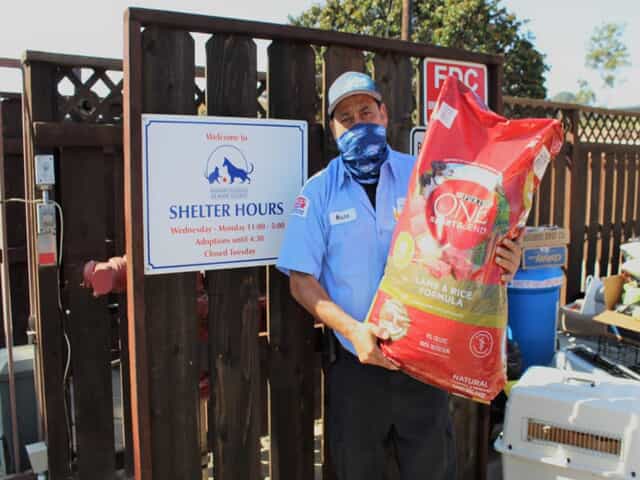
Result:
pixel 571 426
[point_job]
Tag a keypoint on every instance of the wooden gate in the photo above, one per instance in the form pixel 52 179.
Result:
pixel 158 73
pixel 73 108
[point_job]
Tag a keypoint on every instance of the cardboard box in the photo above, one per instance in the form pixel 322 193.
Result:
pixel 544 257
pixel 544 247
pixel 613 287
pixel 548 236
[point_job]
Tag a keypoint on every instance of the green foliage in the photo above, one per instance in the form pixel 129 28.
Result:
pixel 564 97
pixel 585 94
pixel 477 25
pixel 607 53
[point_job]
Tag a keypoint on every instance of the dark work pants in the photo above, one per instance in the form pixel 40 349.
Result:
pixel 370 406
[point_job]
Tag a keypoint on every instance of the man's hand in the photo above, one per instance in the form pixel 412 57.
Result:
pixel 364 337
pixel 508 255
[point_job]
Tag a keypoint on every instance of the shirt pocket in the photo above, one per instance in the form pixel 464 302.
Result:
pixel 351 246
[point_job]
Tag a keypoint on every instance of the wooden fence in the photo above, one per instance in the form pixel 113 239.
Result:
pixel 78 336
pixel 13 178
pixel 593 187
pixel 262 382
pixel 69 115
pixel 158 73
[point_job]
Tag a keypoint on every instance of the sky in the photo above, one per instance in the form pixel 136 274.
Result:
pixel 94 27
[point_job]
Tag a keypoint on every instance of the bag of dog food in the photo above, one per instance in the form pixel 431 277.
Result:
pixel 441 297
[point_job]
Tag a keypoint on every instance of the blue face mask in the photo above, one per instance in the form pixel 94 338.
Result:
pixel 364 149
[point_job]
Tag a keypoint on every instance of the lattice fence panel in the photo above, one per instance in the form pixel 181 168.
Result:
pixel 596 126
pixel 96 99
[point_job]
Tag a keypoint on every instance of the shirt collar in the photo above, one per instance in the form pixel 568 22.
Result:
pixel 344 175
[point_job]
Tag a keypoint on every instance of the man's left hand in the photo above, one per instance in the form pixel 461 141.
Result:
pixel 508 256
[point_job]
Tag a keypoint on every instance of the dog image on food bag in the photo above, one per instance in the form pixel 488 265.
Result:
pixel 441 296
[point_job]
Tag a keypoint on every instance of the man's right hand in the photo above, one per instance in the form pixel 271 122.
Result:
pixel 364 337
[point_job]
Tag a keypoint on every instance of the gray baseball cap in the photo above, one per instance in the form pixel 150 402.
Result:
pixel 352 83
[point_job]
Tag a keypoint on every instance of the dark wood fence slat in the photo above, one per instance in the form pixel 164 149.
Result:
pixel 393 74
pixel 420 78
pixel 544 197
pixel 560 197
pixel 13 177
pixel 580 161
pixel 594 211
pixel 291 332
pixel 636 222
pixel 170 300
pixel 13 146
pixel 225 77
pixel 337 60
pixel 39 101
pixel 607 208
pixel 116 246
pixel 235 369
pixel 532 219
pixel 618 211
pixel 83 201
pixel 630 168
pixel 139 352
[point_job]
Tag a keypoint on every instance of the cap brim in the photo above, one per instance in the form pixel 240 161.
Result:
pixel 335 103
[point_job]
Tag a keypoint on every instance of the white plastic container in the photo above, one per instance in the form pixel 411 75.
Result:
pixel 571 426
pixel 38 456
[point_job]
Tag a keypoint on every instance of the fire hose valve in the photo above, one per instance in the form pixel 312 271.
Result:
pixel 106 277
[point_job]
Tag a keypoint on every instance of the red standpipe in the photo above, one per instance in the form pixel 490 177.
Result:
pixel 106 277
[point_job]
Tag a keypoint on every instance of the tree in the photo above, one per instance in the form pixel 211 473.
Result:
pixel 564 97
pixel 606 52
pixel 477 25
pixel 585 95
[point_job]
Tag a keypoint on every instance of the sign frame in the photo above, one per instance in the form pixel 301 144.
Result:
pixel 152 266
pixel 416 138
pixel 425 87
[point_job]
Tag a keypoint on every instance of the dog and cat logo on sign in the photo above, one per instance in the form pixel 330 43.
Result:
pixel 227 165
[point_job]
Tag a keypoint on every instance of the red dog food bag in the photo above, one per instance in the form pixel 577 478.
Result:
pixel 441 296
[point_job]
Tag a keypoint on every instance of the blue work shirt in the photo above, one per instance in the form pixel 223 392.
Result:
pixel 334 233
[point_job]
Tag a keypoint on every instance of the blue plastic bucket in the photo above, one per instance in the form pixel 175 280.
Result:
pixel 534 300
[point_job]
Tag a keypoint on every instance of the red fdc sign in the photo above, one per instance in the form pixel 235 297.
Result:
pixel 473 75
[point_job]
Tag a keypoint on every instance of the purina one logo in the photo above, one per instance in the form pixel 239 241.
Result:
pixel 228 173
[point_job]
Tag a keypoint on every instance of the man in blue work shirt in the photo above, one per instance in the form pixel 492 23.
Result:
pixel 335 249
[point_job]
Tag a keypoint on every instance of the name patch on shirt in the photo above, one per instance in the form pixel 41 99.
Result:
pixel 342 216
pixel 300 206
